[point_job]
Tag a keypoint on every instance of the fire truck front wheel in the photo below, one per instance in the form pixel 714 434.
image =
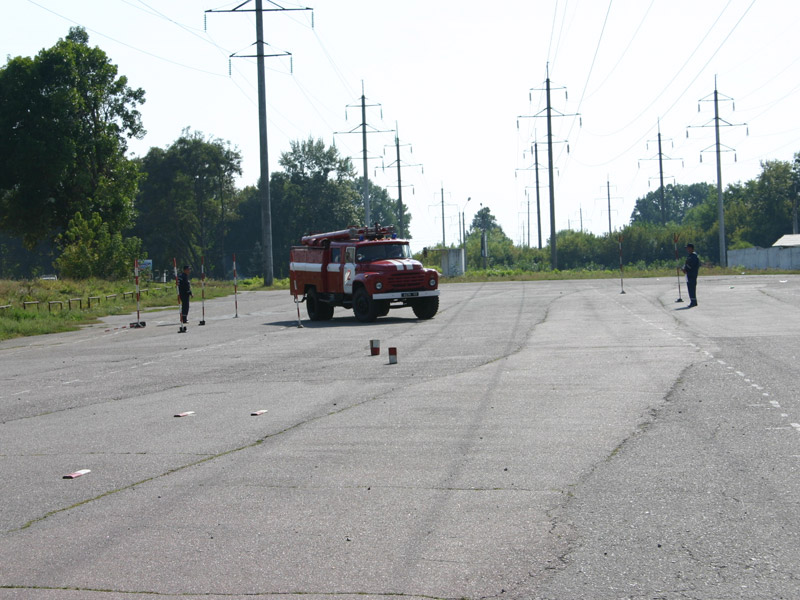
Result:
pixel 317 310
pixel 425 308
pixel 364 307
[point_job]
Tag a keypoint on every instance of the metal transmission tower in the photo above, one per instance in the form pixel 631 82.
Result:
pixel 263 188
pixel 535 167
pixel 442 203
pixel 363 126
pixel 399 164
pixel 548 113
pixel 661 157
pixel 608 197
pixel 723 257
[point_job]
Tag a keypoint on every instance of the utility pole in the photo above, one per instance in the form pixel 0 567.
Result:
pixel 608 199
pixel 794 200
pixel 463 223
pixel 538 208
pixel 399 179
pixel 365 192
pixel 723 255
pixel 363 126
pixel 263 188
pixel 444 244
pixel 660 157
pixel 553 251
pixel 548 114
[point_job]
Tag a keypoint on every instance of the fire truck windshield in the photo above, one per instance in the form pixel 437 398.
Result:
pixel 382 252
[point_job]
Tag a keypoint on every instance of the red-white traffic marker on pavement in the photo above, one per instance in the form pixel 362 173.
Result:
pixel 77 474
pixel 392 356
pixel 374 347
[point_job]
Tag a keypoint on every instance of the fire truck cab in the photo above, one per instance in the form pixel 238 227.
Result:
pixel 367 269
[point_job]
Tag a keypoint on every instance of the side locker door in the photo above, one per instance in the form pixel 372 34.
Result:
pixel 333 274
pixel 349 269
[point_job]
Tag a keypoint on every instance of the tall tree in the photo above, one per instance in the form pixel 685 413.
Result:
pixel 243 237
pixel 484 220
pixel 770 201
pixel 65 116
pixel 678 200
pixel 314 193
pixel 187 201
pixel 499 247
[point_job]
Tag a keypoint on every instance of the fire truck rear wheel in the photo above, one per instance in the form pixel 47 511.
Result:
pixel 425 308
pixel 317 310
pixel 364 307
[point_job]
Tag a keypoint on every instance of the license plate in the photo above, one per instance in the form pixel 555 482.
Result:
pixel 409 294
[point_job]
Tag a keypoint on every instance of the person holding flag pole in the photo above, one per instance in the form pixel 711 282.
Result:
pixel 184 288
pixel 691 267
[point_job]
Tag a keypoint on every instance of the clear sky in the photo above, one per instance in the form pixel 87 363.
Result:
pixel 455 77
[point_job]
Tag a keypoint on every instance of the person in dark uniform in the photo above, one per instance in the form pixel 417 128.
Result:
pixel 691 267
pixel 184 292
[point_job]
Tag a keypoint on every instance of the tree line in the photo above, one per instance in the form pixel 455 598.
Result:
pixel 71 200
pixel 757 213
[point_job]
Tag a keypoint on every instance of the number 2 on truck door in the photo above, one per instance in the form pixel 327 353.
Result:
pixel 349 268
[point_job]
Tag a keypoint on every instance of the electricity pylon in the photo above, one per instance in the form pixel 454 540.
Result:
pixel 723 255
pixel 263 188
pixel 399 165
pixel 363 126
pixel 548 113
pixel 661 157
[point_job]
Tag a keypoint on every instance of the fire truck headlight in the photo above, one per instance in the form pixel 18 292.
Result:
pixel 379 285
pixel 432 282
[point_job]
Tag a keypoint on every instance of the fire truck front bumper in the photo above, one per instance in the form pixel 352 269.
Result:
pixel 405 295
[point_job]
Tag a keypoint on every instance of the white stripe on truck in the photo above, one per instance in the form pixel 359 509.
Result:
pixel 308 267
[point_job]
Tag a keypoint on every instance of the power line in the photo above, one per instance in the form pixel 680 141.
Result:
pixel 120 42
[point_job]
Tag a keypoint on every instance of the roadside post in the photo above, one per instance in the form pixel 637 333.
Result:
pixel 203 290
pixel 139 323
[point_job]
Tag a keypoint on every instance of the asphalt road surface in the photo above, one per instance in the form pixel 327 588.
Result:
pixel 537 440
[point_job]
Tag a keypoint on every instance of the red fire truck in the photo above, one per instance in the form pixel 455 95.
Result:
pixel 367 269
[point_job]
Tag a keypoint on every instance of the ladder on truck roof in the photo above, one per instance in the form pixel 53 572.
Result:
pixel 353 233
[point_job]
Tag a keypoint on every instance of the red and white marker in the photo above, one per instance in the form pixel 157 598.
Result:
pixel 235 290
pixel 257 413
pixel 188 413
pixel 392 356
pixel 374 347
pixel 77 474
pixel 139 323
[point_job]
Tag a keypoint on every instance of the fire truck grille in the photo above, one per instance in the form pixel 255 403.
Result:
pixel 406 281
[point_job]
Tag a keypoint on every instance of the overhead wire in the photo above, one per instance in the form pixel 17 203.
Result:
pixel 625 51
pixel 120 42
pixel 681 95
pixel 591 69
